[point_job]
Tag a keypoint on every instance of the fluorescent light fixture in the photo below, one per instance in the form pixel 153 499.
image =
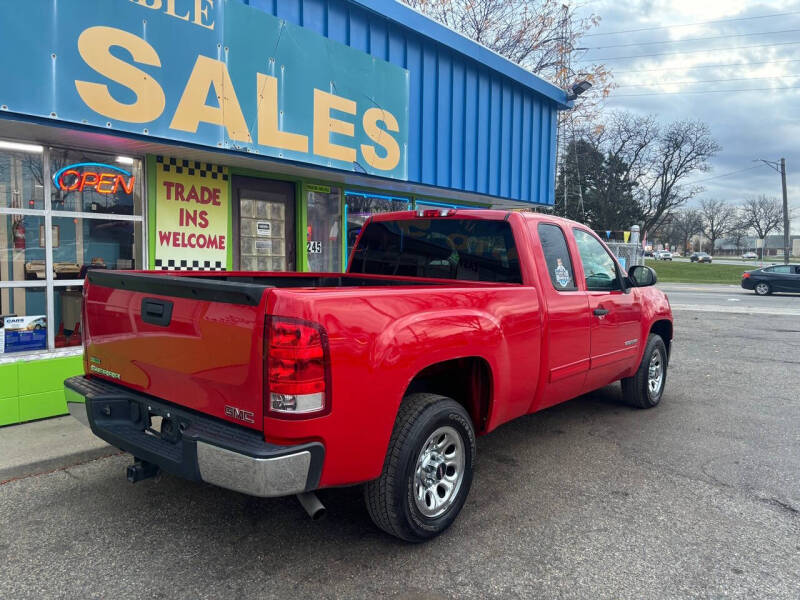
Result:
pixel 20 147
pixel 125 160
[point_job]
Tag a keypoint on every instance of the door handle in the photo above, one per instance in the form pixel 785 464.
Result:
pixel 601 312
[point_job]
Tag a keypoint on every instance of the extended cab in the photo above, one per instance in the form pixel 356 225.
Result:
pixel 446 325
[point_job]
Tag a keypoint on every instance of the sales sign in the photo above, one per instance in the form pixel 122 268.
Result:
pixel 216 73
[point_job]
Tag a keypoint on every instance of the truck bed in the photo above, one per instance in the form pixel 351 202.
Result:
pixel 197 339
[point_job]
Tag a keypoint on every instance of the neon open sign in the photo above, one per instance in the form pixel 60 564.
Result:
pixel 94 177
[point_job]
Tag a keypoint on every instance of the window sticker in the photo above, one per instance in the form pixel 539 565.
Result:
pixel 562 275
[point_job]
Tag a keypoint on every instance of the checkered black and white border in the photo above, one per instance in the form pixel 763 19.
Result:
pixel 192 167
pixel 184 265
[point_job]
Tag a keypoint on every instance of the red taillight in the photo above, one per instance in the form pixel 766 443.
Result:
pixel 745 275
pixel 296 369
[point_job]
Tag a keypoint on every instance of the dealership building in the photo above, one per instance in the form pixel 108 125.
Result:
pixel 232 135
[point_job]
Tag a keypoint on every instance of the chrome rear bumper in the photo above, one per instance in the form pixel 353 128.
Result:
pixel 199 448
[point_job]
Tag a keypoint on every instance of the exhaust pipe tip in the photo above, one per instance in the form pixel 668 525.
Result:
pixel 315 509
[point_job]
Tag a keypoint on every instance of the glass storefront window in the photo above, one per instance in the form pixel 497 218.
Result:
pixel 23 320
pixel 67 316
pixel 22 247
pixel 105 231
pixel 323 227
pixel 83 244
pixel 360 205
pixel 94 183
pixel 21 179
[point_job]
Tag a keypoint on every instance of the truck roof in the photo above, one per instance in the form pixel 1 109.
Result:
pixel 486 214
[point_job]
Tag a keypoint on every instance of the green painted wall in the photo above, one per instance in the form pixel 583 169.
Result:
pixel 34 389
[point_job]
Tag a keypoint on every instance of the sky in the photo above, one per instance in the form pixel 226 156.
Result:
pixel 754 110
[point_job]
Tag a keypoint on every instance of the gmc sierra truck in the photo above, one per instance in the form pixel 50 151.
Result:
pixel 447 324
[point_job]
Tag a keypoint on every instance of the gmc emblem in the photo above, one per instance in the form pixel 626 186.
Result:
pixel 238 413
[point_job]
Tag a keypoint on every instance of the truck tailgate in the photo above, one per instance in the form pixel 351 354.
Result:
pixel 194 341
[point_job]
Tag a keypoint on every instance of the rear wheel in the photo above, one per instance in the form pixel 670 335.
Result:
pixel 645 388
pixel 762 289
pixel 427 472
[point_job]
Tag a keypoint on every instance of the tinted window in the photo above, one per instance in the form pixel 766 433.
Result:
pixel 781 269
pixel 445 248
pixel 556 255
pixel 599 268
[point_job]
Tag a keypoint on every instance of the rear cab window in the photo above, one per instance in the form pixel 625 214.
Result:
pixel 556 256
pixel 445 248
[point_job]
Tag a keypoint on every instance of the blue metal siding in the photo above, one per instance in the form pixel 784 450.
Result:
pixel 471 127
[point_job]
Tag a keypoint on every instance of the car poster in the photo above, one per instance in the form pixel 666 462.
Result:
pixel 20 334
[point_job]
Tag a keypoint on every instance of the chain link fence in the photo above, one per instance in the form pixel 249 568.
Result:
pixel 628 254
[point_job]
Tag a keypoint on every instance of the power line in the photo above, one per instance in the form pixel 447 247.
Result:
pixel 782 14
pixel 717 66
pixel 595 59
pixel 653 83
pixel 793 87
pixel 698 39
pixel 725 175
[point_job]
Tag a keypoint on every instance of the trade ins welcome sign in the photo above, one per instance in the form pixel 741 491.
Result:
pixel 192 208
pixel 211 72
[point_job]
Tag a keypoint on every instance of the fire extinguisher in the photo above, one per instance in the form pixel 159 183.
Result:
pixel 19 235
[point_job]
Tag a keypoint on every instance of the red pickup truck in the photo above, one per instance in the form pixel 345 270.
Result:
pixel 447 324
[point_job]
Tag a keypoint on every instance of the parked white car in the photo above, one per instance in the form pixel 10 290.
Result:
pixel 663 255
pixel 749 255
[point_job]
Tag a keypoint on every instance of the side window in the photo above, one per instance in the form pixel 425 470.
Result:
pixel 598 266
pixel 782 269
pixel 556 255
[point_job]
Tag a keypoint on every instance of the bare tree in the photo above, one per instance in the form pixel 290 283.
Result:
pixel 683 149
pixel 738 231
pixel 686 224
pixel 764 215
pixel 655 162
pixel 538 35
pixel 718 217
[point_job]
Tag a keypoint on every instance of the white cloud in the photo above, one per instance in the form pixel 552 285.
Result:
pixel 764 123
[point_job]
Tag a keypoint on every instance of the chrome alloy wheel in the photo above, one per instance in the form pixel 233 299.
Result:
pixel 655 373
pixel 439 472
pixel 762 289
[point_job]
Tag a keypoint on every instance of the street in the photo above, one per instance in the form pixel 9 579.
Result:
pixel 729 299
pixel 697 497
pixel 735 260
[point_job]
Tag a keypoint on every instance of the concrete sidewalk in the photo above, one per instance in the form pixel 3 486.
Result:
pixel 43 446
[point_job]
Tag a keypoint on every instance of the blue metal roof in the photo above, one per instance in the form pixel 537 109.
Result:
pixel 477 122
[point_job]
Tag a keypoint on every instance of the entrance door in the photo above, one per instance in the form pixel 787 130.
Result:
pixel 264 225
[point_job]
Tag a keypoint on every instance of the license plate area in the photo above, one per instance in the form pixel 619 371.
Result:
pixel 164 425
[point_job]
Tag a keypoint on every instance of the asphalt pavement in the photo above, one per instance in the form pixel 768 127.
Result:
pixel 735 260
pixel 729 299
pixel 699 497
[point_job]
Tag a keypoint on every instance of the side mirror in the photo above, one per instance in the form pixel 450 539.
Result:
pixel 641 276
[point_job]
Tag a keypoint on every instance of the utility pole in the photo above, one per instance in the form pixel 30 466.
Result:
pixel 780 167
pixel 786 237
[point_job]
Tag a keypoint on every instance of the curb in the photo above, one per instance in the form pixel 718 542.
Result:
pixel 54 464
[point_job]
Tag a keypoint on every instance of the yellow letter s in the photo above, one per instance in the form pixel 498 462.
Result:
pixel 94 46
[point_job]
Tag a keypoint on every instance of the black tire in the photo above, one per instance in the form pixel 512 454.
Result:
pixel 636 390
pixel 762 288
pixel 390 498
